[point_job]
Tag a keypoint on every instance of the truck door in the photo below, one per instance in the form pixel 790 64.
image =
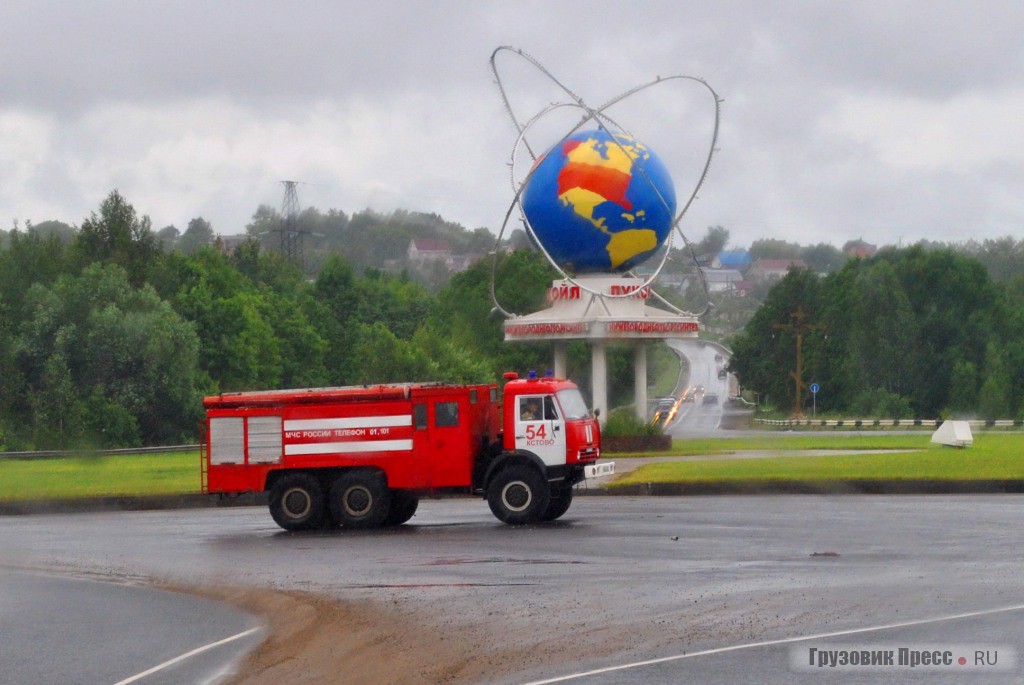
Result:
pixel 450 458
pixel 540 428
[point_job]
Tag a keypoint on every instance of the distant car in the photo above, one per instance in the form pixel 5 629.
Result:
pixel 722 373
pixel 718 357
pixel 710 398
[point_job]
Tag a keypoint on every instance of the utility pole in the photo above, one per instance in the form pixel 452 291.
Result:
pixel 798 324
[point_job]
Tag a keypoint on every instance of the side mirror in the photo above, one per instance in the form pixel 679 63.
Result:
pixel 597 412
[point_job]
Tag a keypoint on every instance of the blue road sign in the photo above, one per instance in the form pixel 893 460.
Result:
pixel 815 388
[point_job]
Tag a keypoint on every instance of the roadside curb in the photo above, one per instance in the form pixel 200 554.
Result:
pixel 843 487
pixel 133 503
pixel 846 487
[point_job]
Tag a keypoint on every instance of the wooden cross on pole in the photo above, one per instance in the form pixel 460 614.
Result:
pixel 798 324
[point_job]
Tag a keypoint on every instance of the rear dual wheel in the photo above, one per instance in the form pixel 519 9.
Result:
pixel 360 499
pixel 297 502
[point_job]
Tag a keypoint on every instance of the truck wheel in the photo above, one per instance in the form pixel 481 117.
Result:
pixel 559 504
pixel 297 502
pixel 403 506
pixel 360 499
pixel 518 494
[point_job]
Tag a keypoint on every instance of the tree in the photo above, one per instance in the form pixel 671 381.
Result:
pixel 168 236
pixel 994 395
pixel 105 363
pixel 963 389
pixel 883 331
pixel 198 234
pixel 57 229
pixel 823 257
pixel 764 355
pixel 117 234
pixel 336 296
pixel 380 357
pixel 713 242
pixel 952 298
pixel 773 248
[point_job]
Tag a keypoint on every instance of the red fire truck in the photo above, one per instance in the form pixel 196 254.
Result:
pixel 361 457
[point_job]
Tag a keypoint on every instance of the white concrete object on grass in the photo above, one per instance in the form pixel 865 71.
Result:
pixel 954 434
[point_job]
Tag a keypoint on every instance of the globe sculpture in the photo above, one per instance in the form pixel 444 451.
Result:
pixel 599 202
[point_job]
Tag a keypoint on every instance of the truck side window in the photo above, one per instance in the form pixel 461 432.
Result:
pixel 472 396
pixel 530 409
pixel 446 414
pixel 419 416
pixel 550 413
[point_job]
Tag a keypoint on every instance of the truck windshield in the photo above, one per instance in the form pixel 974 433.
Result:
pixel 573 406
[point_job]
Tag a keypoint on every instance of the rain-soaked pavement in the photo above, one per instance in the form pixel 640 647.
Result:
pixel 626 579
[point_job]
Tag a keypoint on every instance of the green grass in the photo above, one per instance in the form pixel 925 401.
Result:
pixel 172 473
pixel 996 456
pixel 774 441
pixel 992 457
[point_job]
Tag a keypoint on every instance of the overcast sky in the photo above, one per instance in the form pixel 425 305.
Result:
pixel 884 120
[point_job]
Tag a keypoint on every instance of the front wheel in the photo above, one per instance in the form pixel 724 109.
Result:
pixel 403 506
pixel 297 502
pixel 518 494
pixel 559 504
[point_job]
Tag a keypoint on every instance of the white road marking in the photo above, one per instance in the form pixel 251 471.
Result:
pixel 187 655
pixel 769 643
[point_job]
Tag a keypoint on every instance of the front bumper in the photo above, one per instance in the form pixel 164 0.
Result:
pixel 599 470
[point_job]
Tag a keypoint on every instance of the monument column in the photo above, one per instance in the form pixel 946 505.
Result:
pixel 640 378
pixel 560 356
pixel 599 378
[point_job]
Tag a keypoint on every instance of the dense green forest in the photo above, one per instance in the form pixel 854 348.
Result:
pixel 920 332
pixel 111 333
pixel 108 338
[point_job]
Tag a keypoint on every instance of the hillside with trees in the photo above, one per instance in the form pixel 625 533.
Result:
pixel 111 334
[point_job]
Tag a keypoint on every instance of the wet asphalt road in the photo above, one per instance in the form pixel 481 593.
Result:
pixel 630 579
pixel 72 630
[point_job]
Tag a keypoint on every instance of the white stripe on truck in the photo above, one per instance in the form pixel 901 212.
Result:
pixel 345 447
pixel 351 422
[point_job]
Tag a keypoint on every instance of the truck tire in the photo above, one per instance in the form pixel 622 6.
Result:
pixel 518 494
pixel 360 499
pixel 297 502
pixel 560 503
pixel 403 507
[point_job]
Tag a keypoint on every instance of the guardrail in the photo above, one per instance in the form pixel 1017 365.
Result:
pixel 886 423
pixel 71 454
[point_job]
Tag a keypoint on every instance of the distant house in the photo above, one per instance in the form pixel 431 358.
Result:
pixel 769 269
pixel 743 288
pixel 731 259
pixel 859 248
pixel 423 251
pixel 722 280
pixel 228 243
pixel 461 262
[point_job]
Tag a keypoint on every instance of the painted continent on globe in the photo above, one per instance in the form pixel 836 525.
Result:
pixel 600 202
